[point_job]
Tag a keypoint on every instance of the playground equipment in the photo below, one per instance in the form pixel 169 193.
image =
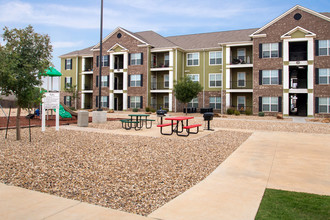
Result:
pixel 63 113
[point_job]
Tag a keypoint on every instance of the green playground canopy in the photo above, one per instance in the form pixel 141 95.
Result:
pixel 51 71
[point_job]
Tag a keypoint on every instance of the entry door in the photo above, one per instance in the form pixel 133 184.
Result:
pixel 116 104
pixel 241 103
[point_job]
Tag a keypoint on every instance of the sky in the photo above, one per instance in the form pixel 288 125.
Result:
pixel 75 24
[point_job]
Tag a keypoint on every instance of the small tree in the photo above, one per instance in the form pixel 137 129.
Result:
pixel 74 93
pixel 186 89
pixel 24 55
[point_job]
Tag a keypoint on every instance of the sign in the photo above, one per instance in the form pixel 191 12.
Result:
pixel 51 100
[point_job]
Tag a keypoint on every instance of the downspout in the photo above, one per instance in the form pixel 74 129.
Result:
pixel 222 98
pixel 148 74
pixel 176 75
pixel 77 89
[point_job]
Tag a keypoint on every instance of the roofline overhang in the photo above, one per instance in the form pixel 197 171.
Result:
pixel 298 28
pixel 238 43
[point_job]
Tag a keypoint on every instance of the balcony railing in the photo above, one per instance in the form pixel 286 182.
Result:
pixel 241 84
pixel 245 60
pixel 155 65
pixel 298 84
pixel 242 108
pixel 297 56
pixel 88 87
pixel 160 85
pixel 87 105
pixel 118 86
pixel 158 106
pixel 88 68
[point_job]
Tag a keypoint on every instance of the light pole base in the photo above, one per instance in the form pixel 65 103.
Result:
pixel 99 116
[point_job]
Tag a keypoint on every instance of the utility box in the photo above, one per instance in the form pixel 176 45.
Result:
pixel 83 118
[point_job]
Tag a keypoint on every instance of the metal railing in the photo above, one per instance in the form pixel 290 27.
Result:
pixel 241 108
pixel 160 85
pixel 88 87
pixel 158 106
pixel 118 86
pixel 162 65
pixel 298 84
pixel 241 84
pixel 297 56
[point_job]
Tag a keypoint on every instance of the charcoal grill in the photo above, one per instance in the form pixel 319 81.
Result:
pixel 208 116
pixel 160 114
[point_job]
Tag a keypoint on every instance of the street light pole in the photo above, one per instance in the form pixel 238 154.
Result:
pixel 100 57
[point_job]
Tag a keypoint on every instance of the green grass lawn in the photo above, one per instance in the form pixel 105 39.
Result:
pixel 278 204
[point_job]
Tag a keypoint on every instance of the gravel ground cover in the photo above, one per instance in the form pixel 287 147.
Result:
pixel 273 126
pixel 130 173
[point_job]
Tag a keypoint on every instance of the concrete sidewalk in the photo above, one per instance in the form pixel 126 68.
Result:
pixel 279 160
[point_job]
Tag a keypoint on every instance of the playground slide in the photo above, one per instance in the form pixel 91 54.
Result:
pixel 66 108
pixel 63 113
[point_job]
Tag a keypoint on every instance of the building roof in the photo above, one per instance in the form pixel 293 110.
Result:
pixel 326 14
pixel 84 52
pixel 155 39
pixel 211 40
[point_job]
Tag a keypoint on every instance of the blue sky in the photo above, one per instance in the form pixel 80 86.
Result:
pixel 74 24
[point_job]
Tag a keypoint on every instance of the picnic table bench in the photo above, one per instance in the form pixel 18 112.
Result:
pixel 179 126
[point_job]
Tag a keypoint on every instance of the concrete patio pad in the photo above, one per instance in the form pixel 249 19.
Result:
pixel 288 161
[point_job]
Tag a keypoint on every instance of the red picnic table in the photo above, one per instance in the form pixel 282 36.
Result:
pixel 177 125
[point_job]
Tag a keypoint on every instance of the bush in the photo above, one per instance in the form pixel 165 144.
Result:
pixel 135 110
pixel 230 111
pixel 248 112
pixel 261 114
pixel 236 112
pixel 147 109
pixel 153 110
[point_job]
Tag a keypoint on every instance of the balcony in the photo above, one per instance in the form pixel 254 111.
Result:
pixel 160 85
pixel 298 77
pixel 241 84
pixel 160 61
pixel 240 56
pixel 118 86
pixel 118 62
pixel 298 51
pixel 88 64
pixel 88 86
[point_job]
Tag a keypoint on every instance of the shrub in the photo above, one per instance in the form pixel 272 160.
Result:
pixel 261 114
pixel 147 109
pixel 248 112
pixel 153 110
pixel 236 112
pixel 230 111
pixel 135 110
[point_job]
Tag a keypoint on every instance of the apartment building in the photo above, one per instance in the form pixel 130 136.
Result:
pixel 283 66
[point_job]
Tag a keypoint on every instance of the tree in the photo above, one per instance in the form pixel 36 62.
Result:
pixel 24 55
pixel 186 89
pixel 74 93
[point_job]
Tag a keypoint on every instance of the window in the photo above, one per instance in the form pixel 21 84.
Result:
pixel 135 102
pixel 104 101
pixel 324 76
pixel 241 54
pixel 166 81
pixel 324 47
pixel 136 59
pixel 104 81
pixel 105 60
pixel 67 101
pixel 167 60
pixel 192 59
pixel 193 103
pixel 215 102
pixel 270 104
pixel 324 105
pixel 240 103
pixel 166 102
pixel 270 77
pixel 194 77
pixel 241 79
pixel 215 80
pixel 270 50
pixel 215 57
pixel 135 80
pixel 68 82
pixel 68 64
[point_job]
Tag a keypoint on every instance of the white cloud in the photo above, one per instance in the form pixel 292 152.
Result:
pixel 67 44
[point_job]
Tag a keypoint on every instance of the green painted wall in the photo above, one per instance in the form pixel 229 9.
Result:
pixel 298 34
pixel 248 99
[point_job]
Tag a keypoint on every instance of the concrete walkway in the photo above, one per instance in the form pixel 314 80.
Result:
pixel 288 161
pixel 279 160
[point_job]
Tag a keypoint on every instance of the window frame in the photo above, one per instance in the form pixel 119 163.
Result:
pixel 104 104
pixel 166 61
pixel 68 65
pixel 193 103
pixel 135 60
pixel 215 80
pixel 244 80
pixel 66 101
pixel 270 103
pixel 191 76
pixel 270 50
pixel 215 103
pixel 327 76
pixel 242 49
pixel 327 105
pixel 166 81
pixel 68 78
pixel 166 102
pixel 136 102
pixel 215 58
pixel 104 83
pixel 244 104
pixel 134 82
pixel 327 48
pixel 270 77
pixel 192 59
